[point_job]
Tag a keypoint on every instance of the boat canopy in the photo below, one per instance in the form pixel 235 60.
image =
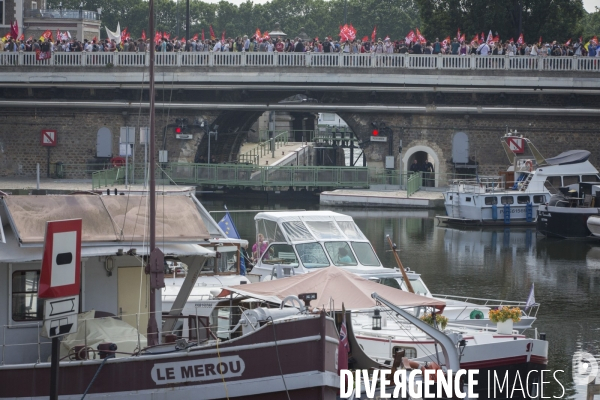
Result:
pixel 307 226
pixel 106 218
pixel 569 157
pixel 334 286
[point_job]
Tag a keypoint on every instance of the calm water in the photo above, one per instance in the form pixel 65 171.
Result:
pixel 489 263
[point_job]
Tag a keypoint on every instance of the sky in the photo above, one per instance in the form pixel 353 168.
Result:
pixel 589 5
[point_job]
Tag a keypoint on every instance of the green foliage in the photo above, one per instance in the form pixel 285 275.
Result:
pixel 553 20
pixel 319 18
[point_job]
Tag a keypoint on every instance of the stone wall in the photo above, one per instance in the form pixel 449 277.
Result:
pixel 551 135
pixel 20 132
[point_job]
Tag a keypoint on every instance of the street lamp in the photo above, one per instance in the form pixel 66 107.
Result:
pixel 60 8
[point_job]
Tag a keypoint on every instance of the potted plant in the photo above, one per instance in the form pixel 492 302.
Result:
pixel 504 317
pixel 440 319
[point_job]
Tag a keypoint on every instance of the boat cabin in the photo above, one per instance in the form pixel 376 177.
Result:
pixel 113 257
pixel 291 243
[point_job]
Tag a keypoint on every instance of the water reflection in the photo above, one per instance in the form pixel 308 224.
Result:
pixel 489 263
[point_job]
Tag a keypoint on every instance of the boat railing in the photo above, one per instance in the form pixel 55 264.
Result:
pixel 529 311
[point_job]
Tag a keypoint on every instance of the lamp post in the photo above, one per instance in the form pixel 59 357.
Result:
pixel 60 8
pixel 81 10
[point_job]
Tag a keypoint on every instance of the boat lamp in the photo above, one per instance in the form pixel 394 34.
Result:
pixel 377 320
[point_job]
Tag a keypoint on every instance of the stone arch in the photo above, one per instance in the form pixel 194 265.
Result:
pixel 411 151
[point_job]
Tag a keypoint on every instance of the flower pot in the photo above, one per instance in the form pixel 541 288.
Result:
pixel 505 327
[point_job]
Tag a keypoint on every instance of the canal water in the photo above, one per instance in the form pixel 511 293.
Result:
pixel 485 263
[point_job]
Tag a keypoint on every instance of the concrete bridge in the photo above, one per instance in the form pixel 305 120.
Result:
pixel 423 100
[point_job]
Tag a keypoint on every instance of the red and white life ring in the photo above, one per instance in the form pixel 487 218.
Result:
pixel 530 164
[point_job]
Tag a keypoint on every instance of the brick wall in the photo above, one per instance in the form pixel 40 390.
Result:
pixel 20 131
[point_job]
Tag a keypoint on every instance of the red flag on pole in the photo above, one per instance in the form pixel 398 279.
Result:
pixel 475 39
pixel 420 37
pixel 446 42
pixel 266 35
pixel 540 41
pixel 458 34
pixel 22 37
pixel 157 37
pixel 223 36
pixel 14 29
pixel 568 42
pixel 595 40
pixel 490 37
pixel 257 34
pixel 365 39
pixel 374 34
pixel 94 39
pixel 58 34
pixel 463 38
pixel 143 35
pixel 410 37
pixel 195 37
pixel 203 35
pixel 520 40
pixel 212 33
pixel 482 37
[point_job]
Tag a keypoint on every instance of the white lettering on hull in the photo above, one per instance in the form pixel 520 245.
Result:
pixel 198 370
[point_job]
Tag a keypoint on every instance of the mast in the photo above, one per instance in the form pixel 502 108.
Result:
pixel 152 332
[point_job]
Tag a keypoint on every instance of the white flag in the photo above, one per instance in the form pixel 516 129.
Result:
pixel 531 299
pixel 116 36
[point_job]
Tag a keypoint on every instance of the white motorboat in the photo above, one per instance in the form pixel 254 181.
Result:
pixel 514 197
pixel 301 242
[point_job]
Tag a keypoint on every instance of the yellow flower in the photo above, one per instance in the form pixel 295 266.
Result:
pixel 441 320
pixel 504 314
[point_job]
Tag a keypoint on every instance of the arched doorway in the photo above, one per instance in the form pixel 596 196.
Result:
pixel 422 154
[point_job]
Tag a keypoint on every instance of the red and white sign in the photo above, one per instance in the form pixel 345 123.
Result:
pixel 49 137
pixel 517 145
pixel 61 264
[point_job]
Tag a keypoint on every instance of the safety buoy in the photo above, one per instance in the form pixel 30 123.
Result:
pixel 530 164
pixel 118 162
pixel 476 314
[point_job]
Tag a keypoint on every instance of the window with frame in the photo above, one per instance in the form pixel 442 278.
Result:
pixel 590 178
pixel 570 180
pixel 1 12
pixel 507 200
pixel 491 201
pixel 26 306
pixel 539 199
pixel 523 199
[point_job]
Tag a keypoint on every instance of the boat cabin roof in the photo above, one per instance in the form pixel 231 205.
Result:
pixel 302 226
pixel 569 157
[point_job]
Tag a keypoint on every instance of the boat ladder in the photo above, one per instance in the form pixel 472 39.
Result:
pixel 526 183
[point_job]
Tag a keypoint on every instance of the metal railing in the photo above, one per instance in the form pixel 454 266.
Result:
pixel 62 13
pixel 312 60
pixel 253 155
pixel 414 183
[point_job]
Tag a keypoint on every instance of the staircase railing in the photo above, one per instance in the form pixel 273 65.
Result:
pixel 414 183
pixel 253 155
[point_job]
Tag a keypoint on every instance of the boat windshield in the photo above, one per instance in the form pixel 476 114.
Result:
pixel 312 255
pixel 365 254
pixel 325 230
pixel 418 285
pixel 340 253
pixel 280 253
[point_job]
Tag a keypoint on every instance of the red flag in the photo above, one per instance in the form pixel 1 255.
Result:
pixel 568 42
pixel 14 29
pixel 420 37
pixel 157 37
pixel 347 32
pixel 540 41
pixel 143 35
pixel 374 34
pixel 482 37
pixel 95 39
pixel 58 34
pixel 580 39
pixel 365 39
pixel 195 37
pixel 496 39
pixel 475 39
pixel 446 42
pixel 463 38
pixel 458 34
pixel 520 40
pixel 266 35
pixel 212 33
pixel 410 37
pixel 6 37
pixel 223 36
pixel 22 37
pixel 257 34
pixel 30 38
pixel 203 35
pixel 47 35
pixel 595 40
pixel 182 40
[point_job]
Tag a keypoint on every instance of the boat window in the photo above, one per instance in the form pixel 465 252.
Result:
pixel 507 200
pixel 450 197
pixel 297 231
pixel 553 183
pixel 409 352
pixel 590 178
pixel 391 282
pixel 468 199
pixel 351 230
pixel 325 230
pixel 228 263
pixel 365 254
pixel 417 285
pixel 539 199
pixel 25 303
pixel 340 253
pixel 270 230
pixel 280 254
pixel 523 199
pixel 312 255
pixel 491 201
pixel 570 180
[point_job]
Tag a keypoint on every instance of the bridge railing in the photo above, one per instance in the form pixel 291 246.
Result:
pixel 413 184
pixel 309 60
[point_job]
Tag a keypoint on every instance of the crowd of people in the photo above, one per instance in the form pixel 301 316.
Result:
pixel 297 45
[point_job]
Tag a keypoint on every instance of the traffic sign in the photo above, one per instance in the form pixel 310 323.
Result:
pixel 378 138
pixel 61 263
pixel 516 144
pixel 49 137
pixel 60 316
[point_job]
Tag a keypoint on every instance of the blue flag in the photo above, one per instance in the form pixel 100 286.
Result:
pixel 226 223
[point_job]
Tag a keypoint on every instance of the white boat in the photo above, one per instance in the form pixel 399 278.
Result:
pixel 514 198
pixel 300 242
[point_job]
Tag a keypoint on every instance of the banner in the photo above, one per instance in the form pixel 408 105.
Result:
pixel 374 34
pixel 116 36
pixel 212 33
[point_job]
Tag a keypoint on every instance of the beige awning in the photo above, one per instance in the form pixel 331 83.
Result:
pixel 332 283
pixel 107 218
